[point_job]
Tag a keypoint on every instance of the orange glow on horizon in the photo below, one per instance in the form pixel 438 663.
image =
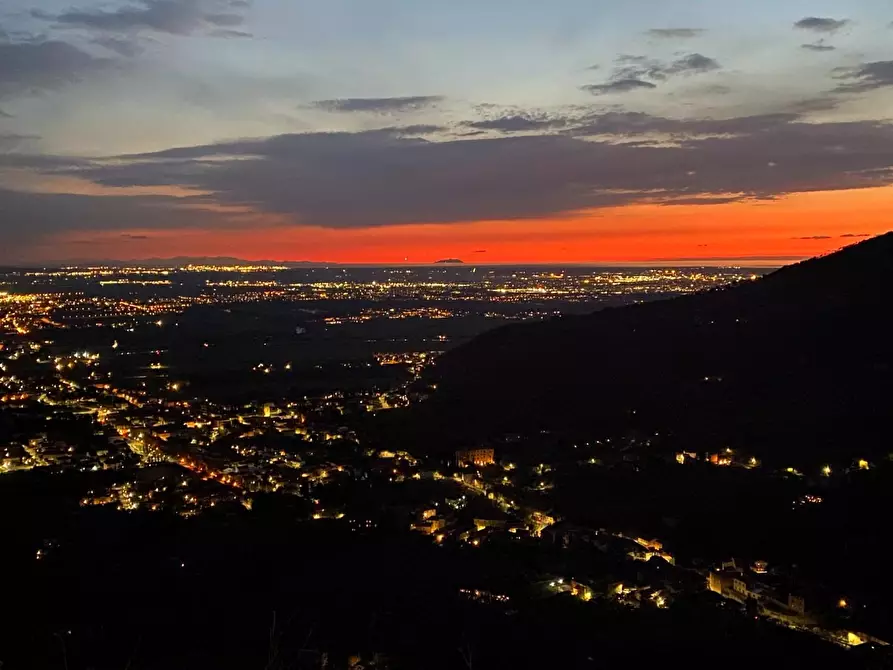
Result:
pixel 765 232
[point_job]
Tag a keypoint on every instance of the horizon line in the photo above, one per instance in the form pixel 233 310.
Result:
pixel 170 263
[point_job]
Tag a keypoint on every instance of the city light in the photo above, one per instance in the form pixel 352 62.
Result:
pixel 244 432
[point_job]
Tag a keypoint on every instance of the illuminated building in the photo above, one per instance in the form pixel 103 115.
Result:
pixel 720 459
pixel 715 581
pixel 430 525
pixel 582 591
pixel 655 545
pixel 539 521
pixel 853 639
pixel 479 457
pixel 481 524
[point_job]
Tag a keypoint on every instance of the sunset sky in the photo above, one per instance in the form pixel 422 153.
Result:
pixel 672 131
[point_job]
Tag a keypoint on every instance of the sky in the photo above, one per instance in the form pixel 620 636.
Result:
pixel 410 130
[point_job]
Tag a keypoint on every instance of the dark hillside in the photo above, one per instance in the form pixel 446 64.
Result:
pixel 794 365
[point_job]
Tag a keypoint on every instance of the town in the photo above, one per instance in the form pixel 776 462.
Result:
pixel 122 412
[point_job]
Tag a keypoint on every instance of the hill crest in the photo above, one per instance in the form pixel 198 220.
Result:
pixel 795 363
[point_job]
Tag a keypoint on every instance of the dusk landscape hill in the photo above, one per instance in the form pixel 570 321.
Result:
pixel 796 365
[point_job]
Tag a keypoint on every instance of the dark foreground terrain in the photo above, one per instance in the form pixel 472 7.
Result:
pixel 268 589
pixel 695 482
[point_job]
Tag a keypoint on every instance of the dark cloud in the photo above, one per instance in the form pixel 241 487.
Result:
pixel 128 236
pixel 42 162
pixel 39 216
pixel 701 201
pixel 378 178
pixel 12 141
pixel 519 123
pixel 379 105
pixel 121 46
pixel 34 67
pixel 818 46
pixel 389 177
pixel 417 129
pixel 480 251
pixel 692 64
pixel 820 24
pixel 628 68
pixel 175 17
pixel 618 86
pixel 676 33
pixel 823 103
pixel 224 19
pixel 639 123
pixel 813 237
pixel 866 77
pixel 229 32
pixel 855 235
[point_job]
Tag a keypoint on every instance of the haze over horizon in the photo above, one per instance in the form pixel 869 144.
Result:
pixel 181 261
pixel 495 132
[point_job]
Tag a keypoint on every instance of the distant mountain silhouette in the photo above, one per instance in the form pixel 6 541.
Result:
pixel 450 261
pixel 797 365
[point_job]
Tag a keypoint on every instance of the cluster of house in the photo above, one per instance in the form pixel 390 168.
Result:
pixel 772 594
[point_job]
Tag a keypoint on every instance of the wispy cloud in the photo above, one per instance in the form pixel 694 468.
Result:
pixel 634 72
pixel 128 47
pixel 865 77
pixel 379 105
pixel 821 24
pixel 722 200
pixel 33 67
pixel 676 33
pixel 818 46
pixel 229 32
pixel 175 17
pixel 520 123
pixel 14 141
pixel 820 103
pixel 643 67
pixel 692 64
pixel 618 86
